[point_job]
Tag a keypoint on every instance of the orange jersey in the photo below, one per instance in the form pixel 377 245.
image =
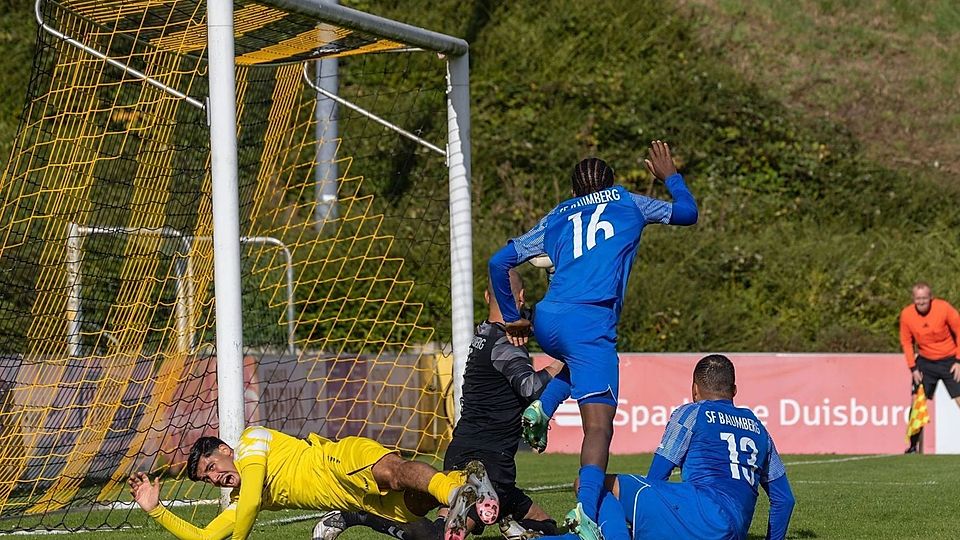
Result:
pixel 935 333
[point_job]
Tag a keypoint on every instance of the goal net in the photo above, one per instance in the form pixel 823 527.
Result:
pixel 107 322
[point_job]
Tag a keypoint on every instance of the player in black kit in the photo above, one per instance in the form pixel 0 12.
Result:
pixel 498 384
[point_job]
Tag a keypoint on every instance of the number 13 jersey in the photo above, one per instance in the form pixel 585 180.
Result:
pixel 722 449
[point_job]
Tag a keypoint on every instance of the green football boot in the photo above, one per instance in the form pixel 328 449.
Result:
pixel 581 525
pixel 535 424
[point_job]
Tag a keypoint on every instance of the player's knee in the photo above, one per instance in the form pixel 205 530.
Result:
pixel 534 512
pixel 388 472
pixel 598 431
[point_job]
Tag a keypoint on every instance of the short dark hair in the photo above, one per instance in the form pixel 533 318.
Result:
pixel 715 374
pixel 590 175
pixel 204 447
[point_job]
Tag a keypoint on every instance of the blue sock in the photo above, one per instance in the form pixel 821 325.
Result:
pixel 557 390
pixel 612 520
pixel 567 536
pixel 591 484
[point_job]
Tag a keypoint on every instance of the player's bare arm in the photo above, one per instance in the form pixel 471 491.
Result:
pixel 660 163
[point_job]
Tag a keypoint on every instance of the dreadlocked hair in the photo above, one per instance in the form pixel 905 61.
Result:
pixel 591 175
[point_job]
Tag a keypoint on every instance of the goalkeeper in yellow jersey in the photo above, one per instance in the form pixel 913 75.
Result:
pixel 271 470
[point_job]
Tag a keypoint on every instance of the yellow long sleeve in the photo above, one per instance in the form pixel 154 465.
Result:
pixel 218 529
pixel 252 477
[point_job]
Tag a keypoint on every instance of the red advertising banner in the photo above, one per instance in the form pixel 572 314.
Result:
pixel 810 403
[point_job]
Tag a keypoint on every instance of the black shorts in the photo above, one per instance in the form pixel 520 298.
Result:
pixel 938 370
pixel 502 470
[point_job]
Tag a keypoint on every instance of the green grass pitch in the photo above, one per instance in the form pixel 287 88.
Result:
pixel 843 497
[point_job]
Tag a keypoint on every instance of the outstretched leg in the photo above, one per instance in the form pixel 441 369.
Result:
pixel 394 473
pixel 594 453
pixel 536 417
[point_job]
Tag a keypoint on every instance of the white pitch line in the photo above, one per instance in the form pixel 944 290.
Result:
pixel 866 483
pixel 552 487
pixel 292 519
pixel 126 505
pixel 840 460
pixel 61 531
pixel 260 524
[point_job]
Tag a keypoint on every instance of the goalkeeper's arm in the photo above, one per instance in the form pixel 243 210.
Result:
pixel 147 494
pixel 514 363
pixel 218 529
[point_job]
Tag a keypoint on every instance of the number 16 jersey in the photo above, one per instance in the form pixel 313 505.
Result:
pixel 592 241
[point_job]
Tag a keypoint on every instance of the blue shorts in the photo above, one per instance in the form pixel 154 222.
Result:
pixel 583 336
pixel 673 511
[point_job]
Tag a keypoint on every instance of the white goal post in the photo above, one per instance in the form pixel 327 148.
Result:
pixel 222 119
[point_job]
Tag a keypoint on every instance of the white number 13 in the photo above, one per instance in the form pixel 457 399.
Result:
pixel 593 228
pixel 746 445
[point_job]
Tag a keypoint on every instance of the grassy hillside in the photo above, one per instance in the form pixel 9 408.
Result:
pixel 887 70
pixel 807 240
pixel 814 221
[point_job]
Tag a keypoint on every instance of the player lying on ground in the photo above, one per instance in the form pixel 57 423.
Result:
pixel 592 240
pixel 270 470
pixel 724 452
pixel 498 383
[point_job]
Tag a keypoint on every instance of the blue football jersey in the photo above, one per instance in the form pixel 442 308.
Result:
pixel 724 449
pixel 592 241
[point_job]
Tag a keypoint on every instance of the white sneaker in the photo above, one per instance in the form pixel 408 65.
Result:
pixel 512 530
pixel 455 526
pixel 330 526
pixel 488 503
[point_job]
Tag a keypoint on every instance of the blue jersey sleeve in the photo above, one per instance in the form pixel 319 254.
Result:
pixel 660 468
pixel 774 468
pixel 683 210
pixel 517 250
pixel 653 210
pixel 530 243
pixel 782 502
pixel 499 268
pixel 677 434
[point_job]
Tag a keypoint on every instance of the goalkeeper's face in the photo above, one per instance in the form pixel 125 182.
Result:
pixel 218 468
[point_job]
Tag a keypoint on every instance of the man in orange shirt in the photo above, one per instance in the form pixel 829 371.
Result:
pixel 933 326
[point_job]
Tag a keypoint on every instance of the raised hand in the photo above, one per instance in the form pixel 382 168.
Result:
pixel 518 332
pixel 660 163
pixel 144 491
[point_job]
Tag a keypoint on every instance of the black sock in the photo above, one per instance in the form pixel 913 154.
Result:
pixel 377 523
pixel 424 529
pixel 547 526
pixel 915 439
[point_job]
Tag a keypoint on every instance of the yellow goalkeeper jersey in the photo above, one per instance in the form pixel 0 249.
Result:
pixel 279 471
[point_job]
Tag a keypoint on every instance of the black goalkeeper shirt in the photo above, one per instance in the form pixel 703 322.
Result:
pixel 498 384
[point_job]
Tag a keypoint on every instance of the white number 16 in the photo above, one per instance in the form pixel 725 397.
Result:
pixel 593 228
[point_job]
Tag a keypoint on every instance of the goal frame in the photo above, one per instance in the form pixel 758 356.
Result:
pixel 221 115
